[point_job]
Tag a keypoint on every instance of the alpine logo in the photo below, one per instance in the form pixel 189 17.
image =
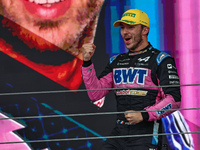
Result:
pixel 144 59
pixel 130 75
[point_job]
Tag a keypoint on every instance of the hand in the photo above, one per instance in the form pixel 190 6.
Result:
pixel 133 117
pixel 88 51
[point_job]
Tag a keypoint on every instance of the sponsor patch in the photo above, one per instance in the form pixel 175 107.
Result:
pixel 161 56
pixel 174 82
pixel 129 22
pixel 144 59
pixel 129 14
pixel 130 75
pixel 169 66
pixel 132 92
pixel 164 109
pixel 99 102
pixel 172 72
pixel 123 60
pixel 122 64
pixel 173 77
pixel 141 64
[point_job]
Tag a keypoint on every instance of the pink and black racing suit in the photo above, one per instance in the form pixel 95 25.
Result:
pixel 137 75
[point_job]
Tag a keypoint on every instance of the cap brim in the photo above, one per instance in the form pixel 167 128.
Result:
pixel 117 23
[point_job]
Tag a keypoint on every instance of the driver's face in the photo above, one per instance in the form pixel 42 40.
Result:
pixel 60 22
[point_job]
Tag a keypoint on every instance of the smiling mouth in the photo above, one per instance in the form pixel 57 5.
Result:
pixel 47 9
pixel 46 3
pixel 127 39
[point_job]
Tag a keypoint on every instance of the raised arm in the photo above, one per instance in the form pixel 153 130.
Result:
pixel 89 75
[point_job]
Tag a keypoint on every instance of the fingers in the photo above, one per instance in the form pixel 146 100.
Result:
pixel 133 117
pixel 128 113
pixel 88 51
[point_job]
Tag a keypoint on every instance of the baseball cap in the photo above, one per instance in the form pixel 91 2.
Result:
pixel 133 17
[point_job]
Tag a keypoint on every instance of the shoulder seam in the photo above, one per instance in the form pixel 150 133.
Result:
pixel 113 58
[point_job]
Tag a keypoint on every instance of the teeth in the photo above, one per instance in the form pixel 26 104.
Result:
pixel 45 2
pixel 47 5
pixel 51 1
pixel 37 1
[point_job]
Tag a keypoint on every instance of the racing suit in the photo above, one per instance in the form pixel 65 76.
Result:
pixel 137 77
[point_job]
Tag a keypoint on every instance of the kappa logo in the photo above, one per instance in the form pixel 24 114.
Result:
pixel 130 75
pixel 144 59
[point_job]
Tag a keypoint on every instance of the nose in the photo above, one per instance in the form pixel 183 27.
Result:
pixel 124 31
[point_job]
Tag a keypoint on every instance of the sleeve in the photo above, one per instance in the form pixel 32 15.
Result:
pixel 92 82
pixel 170 96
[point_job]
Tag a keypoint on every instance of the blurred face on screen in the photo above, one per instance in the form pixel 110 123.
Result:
pixel 48 26
pixel 63 23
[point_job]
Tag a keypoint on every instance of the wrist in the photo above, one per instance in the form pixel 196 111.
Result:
pixel 87 63
pixel 145 116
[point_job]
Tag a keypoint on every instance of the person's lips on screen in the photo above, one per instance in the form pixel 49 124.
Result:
pixel 47 9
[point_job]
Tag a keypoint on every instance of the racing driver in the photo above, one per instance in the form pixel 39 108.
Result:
pixel 140 77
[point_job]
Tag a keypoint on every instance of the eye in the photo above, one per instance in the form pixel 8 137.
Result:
pixel 131 27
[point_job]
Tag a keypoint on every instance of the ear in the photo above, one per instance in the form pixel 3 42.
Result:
pixel 145 30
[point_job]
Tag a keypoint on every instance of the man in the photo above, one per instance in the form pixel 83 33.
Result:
pixel 134 73
pixel 48 27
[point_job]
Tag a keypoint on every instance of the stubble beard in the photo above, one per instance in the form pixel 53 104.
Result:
pixel 138 40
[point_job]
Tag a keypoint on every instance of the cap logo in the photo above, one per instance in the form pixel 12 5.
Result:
pixel 129 14
pixel 143 22
pixel 129 22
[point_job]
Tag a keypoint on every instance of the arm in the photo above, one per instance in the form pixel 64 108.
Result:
pixel 170 96
pixel 89 75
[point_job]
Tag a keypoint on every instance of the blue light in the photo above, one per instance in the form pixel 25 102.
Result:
pixel 151 8
pixel 89 144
